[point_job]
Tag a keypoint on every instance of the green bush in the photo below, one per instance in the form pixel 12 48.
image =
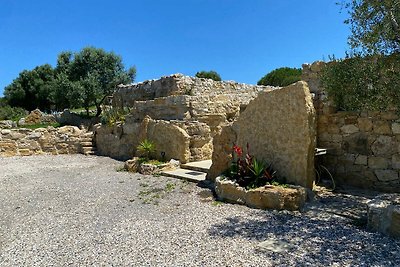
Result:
pixel 281 77
pixel 208 75
pixel 364 83
pixel 12 113
pixel 111 115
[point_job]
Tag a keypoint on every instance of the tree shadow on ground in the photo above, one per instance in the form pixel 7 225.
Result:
pixel 322 235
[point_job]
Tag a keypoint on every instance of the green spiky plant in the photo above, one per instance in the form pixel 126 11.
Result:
pixel 146 148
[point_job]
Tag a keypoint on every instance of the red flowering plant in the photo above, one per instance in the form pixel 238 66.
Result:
pixel 248 171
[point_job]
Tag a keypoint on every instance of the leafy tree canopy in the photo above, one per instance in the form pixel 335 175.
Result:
pixel 31 89
pixel 208 75
pixel 281 77
pixel 375 25
pixel 80 79
pixel 364 82
pixel 91 75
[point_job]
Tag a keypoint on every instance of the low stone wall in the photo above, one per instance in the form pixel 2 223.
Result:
pixel 26 142
pixel 279 127
pixel 363 147
pixel 181 140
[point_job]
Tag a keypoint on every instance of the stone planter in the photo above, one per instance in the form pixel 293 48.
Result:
pixel 267 197
pixel 134 165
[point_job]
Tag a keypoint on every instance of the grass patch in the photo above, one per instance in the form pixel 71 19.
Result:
pixel 40 125
pixel 150 161
pixel 152 195
pixel 216 203
pixel 169 187
pixel 281 185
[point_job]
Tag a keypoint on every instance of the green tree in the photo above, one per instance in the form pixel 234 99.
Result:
pixel 374 25
pixel 364 82
pixel 94 74
pixel 281 77
pixel 31 89
pixel 208 75
pixel 81 79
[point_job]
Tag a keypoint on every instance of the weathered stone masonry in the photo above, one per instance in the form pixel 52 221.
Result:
pixel 26 142
pixel 363 147
pixel 191 110
pixel 279 127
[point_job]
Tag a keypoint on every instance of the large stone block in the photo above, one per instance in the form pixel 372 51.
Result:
pixel 378 162
pixel 384 214
pixel 356 143
pixel 8 148
pixel 280 127
pixel 383 145
pixel 382 127
pixel 365 124
pixel 170 139
pixel 267 197
pixel 387 175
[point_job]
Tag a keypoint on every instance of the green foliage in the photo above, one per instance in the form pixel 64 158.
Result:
pixel 208 75
pixel 31 89
pixel 281 77
pixel 364 83
pixel 146 148
pixel 112 115
pixel 41 125
pixel 80 79
pixel 374 25
pixel 248 171
pixel 11 113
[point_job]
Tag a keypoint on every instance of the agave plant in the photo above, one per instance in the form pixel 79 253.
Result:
pixel 146 148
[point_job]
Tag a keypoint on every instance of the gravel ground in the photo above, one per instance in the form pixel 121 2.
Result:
pixel 83 211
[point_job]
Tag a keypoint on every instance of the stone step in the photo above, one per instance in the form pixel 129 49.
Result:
pixel 87 139
pixel 88 135
pixel 88 149
pixel 90 153
pixel 87 144
pixel 188 175
pixel 200 166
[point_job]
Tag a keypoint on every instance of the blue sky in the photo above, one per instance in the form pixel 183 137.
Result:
pixel 241 40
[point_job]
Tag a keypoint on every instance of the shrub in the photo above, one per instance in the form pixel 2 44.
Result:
pixel 208 75
pixel 146 148
pixel 363 83
pixel 110 116
pixel 12 113
pixel 248 171
pixel 281 77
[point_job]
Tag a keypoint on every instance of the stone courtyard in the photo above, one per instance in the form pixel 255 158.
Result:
pixel 82 210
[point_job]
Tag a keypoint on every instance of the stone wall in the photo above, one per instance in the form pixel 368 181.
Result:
pixel 179 97
pixel 363 147
pixel 182 140
pixel 198 107
pixel 26 142
pixel 279 127
pixel 178 84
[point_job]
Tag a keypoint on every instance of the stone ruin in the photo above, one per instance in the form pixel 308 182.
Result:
pixel 180 114
pixel 192 119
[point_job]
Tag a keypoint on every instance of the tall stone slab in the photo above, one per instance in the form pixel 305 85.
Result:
pixel 280 127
